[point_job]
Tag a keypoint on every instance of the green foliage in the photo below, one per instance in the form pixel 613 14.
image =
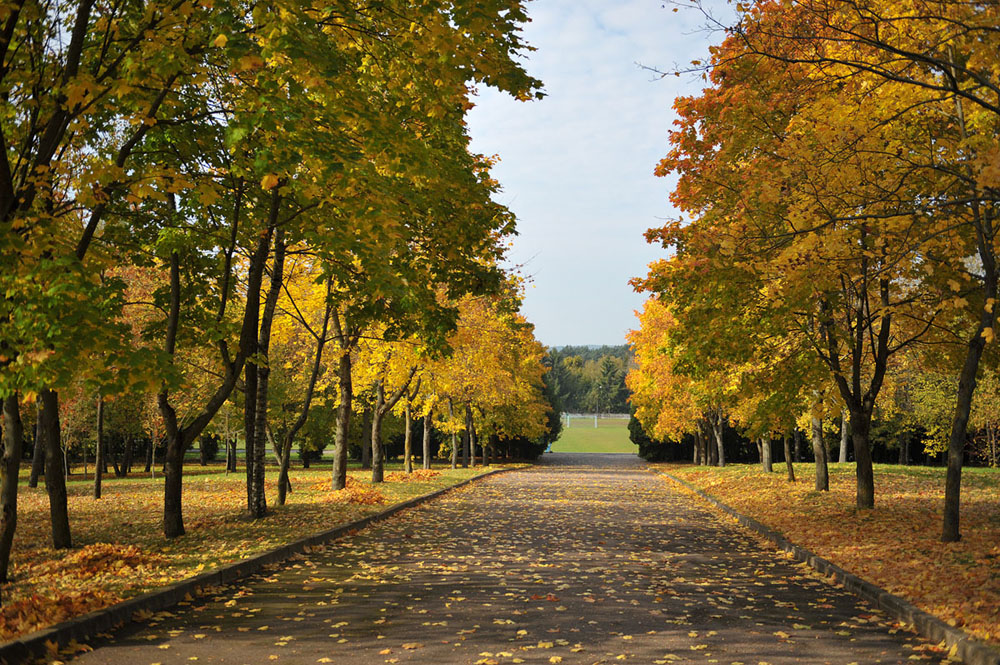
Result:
pixel 590 379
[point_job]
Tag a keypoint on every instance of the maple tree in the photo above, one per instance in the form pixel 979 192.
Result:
pixel 820 216
pixel 929 71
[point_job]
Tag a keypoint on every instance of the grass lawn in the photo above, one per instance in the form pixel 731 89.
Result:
pixel 610 436
pixel 119 549
pixel 897 545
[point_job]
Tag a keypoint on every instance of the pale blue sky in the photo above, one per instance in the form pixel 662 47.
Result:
pixel 577 166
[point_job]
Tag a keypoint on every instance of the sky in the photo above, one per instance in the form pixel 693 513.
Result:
pixel 577 166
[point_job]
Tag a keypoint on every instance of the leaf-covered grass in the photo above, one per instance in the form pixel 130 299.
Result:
pixel 897 545
pixel 120 550
pixel 610 436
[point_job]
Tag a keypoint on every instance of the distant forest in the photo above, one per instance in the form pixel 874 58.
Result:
pixel 589 379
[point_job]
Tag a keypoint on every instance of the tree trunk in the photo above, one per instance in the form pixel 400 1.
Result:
pixel 797 452
pixel 339 480
pixel 366 446
pixel 426 449
pixel 38 454
pixel 717 422
pixel 99 449
pixel 786 442
pixel 766 461
pixel 454 437
pixel 845 425
pixel 285 454
pixel 819 452
pixel 55 478
pixel 257 506
pixel 950 531
pixel 127 460
pixel 860 427
pixel 173 461
pixel 698 446
pixel 467 437
pixel 384 405
pixel 903 439
pixel 472 436
pixel 13 441
pixel 760 451
pixel 408 441
pixel 378 451
pixel 202 453
pixel 149 457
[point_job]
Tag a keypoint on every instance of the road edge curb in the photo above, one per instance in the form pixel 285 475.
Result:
pixel 36 645
pixel 967 648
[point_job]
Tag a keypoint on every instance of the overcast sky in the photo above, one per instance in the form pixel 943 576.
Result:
pixel 577 166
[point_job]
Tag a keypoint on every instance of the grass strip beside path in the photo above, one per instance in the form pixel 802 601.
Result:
pixel 895 546
pixel 120 551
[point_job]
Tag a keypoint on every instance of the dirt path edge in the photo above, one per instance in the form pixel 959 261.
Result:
pixel 960 643
pixel 44 642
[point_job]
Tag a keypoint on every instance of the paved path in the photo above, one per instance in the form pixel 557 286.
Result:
pixel 585 559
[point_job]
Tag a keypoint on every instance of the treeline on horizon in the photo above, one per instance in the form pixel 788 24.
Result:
pixel 589 379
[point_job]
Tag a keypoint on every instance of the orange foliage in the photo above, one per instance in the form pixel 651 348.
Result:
pixel 358 492
pixel 896 546
pixel 418 474
pixel 80 578
pixel 122 552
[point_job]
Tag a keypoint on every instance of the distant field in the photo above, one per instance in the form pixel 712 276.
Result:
pixel 610 436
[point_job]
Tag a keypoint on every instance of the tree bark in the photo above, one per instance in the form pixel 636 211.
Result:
pixel 426 448
pixel 99 449
pixel 408 441
pixel 766 461
pixel 38 454
pixel 467 437
pixel 366 446
pixel 797 437
pixel 257 506
pixel 903 439
pixel 717 423
pixel 860 427
pixel 454 437
pixel 819 452
pixel 346 391
pixel 786 442
pixel 471 450
pixel 55 472
pixel 845 425
pixel 13 442
pixel 378 453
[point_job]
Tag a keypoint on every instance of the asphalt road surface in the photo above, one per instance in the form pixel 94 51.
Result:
pixel 582 559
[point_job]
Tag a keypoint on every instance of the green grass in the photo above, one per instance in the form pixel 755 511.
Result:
pixel 610 436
